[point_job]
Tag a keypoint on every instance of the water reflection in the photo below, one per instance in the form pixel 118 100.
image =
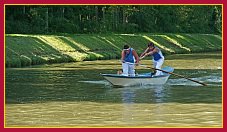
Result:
pixel 159 94
pixel 153 94
pixel 128 96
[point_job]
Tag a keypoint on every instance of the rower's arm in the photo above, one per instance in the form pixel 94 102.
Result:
pixel 152 52
pixel 141 56
pixel 122 56
pixel 136 56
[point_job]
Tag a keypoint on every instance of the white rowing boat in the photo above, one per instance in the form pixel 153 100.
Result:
pixel 140 79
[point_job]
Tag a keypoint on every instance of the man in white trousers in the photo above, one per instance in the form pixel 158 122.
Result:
pixel 129 58
pixel 157 57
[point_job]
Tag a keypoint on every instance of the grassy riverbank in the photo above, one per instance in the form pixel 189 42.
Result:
pixel 25 50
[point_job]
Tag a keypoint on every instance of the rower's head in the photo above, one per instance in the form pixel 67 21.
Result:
pixel 150 45
pixel 126 48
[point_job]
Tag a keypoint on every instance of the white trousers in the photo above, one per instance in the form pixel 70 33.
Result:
pixel 158 65
pixel 128 69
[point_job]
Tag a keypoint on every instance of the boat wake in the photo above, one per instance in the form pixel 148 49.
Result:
pixel 209 80
pixel 103 82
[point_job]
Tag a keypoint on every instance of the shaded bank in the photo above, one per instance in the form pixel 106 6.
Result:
pixel 25 50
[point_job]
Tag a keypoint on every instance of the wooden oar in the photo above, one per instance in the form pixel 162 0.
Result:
pixel 142 57
pixel 176 75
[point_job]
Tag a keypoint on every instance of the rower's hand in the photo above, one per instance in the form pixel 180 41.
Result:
pixel 146 54
pixel 136 63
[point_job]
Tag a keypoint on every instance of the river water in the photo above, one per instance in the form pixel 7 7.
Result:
pixel 76 95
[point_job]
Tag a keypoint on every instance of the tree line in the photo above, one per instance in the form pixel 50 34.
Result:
pixel 80 19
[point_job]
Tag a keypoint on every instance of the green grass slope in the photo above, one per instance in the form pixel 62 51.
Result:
pixel 25 50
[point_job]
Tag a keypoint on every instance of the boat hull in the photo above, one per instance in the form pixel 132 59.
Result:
pixel 141 79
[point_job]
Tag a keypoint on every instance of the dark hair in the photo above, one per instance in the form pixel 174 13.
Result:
pixel 150 44
pixel 126 46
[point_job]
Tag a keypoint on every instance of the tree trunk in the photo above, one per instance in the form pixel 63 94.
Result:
pixel 47 20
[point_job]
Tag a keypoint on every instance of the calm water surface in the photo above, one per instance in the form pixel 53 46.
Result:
pixel 75 95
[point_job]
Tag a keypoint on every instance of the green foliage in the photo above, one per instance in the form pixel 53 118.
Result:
pixel 40 19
